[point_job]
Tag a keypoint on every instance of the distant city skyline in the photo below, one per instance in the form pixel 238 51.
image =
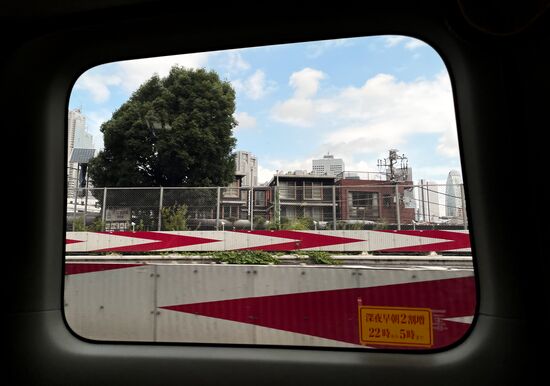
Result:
pixel 352 98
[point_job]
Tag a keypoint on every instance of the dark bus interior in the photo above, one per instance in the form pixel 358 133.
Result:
pixel 497 56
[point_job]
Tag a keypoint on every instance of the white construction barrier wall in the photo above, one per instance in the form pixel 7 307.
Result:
pixel 330 306
pixel 282 240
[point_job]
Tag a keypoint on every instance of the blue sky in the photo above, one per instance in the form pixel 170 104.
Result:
pixel 353 98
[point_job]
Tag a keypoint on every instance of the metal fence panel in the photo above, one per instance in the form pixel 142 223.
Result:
pixel 352 205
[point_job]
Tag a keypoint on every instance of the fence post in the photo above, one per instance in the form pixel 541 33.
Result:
pixel 423 201
pixel 86 200
pixel 277 206
pixel 397 209
pixel 464 217
pixel 428 199
pixel 218 209
pixel 251 208
pixel 334 207
pixel 103 209
pixel 160 208
pixel 75 200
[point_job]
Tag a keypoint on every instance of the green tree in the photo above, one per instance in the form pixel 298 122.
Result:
pixel 174 218
pixel 173 131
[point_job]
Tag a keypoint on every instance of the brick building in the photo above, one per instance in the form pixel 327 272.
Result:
pixel 371 200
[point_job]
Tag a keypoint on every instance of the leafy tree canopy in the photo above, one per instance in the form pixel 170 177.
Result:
pixel 173 131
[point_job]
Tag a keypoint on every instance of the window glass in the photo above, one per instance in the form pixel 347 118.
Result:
pixel 313 190
pixel 259 198
pixel 305 194
pixel 287 190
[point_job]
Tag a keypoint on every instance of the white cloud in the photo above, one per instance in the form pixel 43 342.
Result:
pixel 97 85
pixel 134 72
pixel 386 112
pixel 448 144
pixel 305 82
pixel 314 50
pixel 131 74
pixel 234 62
pixel 409 43
pixel 363 122
pixel 265 173
pixel 245 121
pixel 296 112
pixel 301 109
pixel 413 44
pixel 255 86
pixel 391 41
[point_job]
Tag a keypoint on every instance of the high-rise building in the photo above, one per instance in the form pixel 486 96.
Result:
pixel 453 194
pixel 78 137
pixel 246 165
pixel 428 201
pixel 328 166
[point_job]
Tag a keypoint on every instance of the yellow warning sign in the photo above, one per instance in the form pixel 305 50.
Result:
pixel 395 326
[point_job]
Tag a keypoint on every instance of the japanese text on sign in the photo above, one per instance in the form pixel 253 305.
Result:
pixel 395 326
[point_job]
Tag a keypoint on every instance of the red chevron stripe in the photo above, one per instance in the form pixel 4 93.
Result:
pixel 456 240
pixel 160 241
pixel 300 240
pixel 333 314
pixel 295 240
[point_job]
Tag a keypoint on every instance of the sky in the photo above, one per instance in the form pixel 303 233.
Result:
pixel 352 98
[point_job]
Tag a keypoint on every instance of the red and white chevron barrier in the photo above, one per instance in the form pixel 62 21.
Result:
pixel 284 240
pixel 272 305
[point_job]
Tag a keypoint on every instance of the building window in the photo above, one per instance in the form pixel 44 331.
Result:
pixel 363 205
pixel 287 190
pixel 259 198
pixel 313 191
pixel 231 212
pixel 288 212
pixel 314 212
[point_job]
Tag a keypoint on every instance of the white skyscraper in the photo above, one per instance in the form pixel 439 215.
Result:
pixel 453 194
pixel 328 165
pixel 246 165
pixel 78 137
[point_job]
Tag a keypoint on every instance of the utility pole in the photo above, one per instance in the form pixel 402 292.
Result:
pixel 395 175
pixel 388 165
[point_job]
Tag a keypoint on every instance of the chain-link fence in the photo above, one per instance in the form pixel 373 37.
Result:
pixel 348 205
